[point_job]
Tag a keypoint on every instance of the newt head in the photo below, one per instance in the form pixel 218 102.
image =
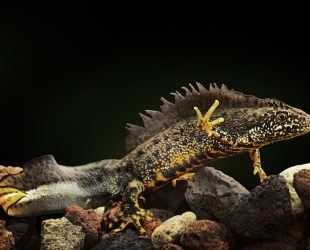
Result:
pixel 274 124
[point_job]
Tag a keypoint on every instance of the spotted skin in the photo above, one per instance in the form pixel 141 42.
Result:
pixel 229 128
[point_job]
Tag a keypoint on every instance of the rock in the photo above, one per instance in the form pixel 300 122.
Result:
pixel 161 214
pixel 210 193
pixel 168 198
pixel 171 246
pixel 171 230
pixel 24 233
pixel 264 212
pixel 301 184
pixel 150 226
pixel 269 246
pixel 128 240
pixel 288 174
pixel 208 235
pixel 88 220
pixel 99 213
pixel 293 237
pixel 6 237
pixel 61 234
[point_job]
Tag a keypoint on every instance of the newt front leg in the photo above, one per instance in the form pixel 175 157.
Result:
pixel 130 210
pixel 255 157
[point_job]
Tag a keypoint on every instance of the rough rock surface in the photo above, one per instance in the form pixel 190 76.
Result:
pixel 208 235
pixel 293 237
pixel 161 214
pixel 288 174
pixel 6 237
pixel 210 193
pixel 128 240
pixel 61 234
pixel 301 184
pixel 168 198
pixel 171 230
pixel 171 246
pixel 267 210
pixel 88 220
pixel 24 233
pixel 99 213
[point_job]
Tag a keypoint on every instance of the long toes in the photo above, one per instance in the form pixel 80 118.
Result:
pixel 136 222
pixel 120 228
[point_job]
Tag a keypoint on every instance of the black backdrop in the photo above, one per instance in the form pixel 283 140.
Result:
pixel 70 78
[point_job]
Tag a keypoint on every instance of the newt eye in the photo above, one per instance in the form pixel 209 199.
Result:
pixel 281 116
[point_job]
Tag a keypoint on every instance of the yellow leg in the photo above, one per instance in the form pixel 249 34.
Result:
pixel 204 122
pixel 255 157
pixel 184 177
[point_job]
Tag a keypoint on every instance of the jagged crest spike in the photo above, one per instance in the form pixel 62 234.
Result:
pixel 182 108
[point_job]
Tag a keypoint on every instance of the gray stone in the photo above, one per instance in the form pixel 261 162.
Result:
pixel 264 212
pixel 61 234
pixel 210 193
pixel 171 230
pixel 128 240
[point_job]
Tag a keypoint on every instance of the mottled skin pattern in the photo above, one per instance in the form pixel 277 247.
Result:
pixel 181 148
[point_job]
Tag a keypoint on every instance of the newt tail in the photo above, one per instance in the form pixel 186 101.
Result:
pixel 171 145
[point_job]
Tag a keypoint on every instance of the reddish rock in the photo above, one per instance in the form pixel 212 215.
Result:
pixel 150 226
pixel 88 220
pixel 171 246
pixel 6 237
pixel 206 234
pixel 301 184
pixel 109 215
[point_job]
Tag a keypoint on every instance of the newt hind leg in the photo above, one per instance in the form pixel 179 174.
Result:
pixel 130 210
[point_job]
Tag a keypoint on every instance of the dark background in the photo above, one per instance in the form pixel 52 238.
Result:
pixel 70 79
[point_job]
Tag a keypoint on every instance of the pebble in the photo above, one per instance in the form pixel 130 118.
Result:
pixel 87 219
pixel 208 235
pixel 301 184
pixel 171 230
pixel 126 240
pixel 288 174
pixel 61 234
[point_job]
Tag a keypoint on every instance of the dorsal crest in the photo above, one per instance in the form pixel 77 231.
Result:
pixel 182 108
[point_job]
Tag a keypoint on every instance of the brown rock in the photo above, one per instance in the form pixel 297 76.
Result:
pixel 301 184
pixel 110 214
pixel 6 237
pixel 4 171
pixel 150 226
pixel 88 220
pixel 206 234
pixel 171 246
